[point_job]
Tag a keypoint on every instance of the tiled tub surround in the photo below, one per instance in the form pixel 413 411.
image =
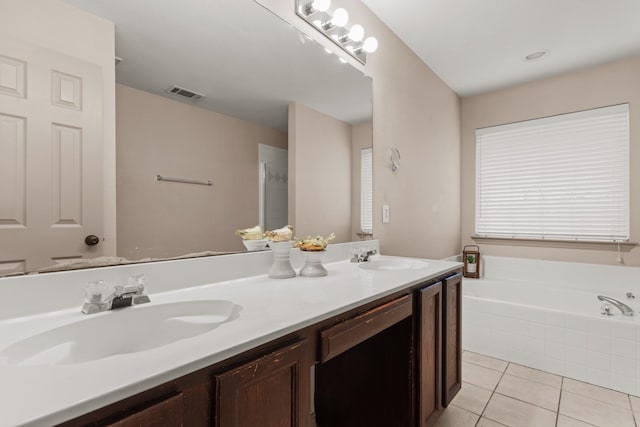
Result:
pixel 546 315
pixel 266 309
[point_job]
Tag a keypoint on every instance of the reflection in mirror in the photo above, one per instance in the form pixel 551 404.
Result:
pixel 274 183
pixel 250 66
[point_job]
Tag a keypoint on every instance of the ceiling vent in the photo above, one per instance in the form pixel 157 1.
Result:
pixel 185 93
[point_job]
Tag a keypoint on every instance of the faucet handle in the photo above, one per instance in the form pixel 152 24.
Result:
pixel 135 285
pixel 606 310
pixel 630 295
pixel 97 292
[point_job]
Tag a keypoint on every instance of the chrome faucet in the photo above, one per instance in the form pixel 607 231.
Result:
pixel 100 297
pixel 362 255
pixel 624 308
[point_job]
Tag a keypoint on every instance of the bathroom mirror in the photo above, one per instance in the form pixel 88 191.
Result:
pixel 250 65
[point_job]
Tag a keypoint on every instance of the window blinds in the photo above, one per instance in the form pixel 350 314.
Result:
pixel 564 177
pixel 366 190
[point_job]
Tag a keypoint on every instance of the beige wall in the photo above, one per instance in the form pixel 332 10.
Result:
pixel 416 112
pixel 361 137
pixel 319 174
pixel 604 85
pixel 157 135
pixel 58 26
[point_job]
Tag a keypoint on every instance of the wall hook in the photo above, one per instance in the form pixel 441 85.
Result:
pixel 394 156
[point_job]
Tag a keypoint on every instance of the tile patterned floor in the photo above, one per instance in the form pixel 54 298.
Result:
pixel 496 393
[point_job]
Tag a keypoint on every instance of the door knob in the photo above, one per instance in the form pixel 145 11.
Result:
pixel 91 240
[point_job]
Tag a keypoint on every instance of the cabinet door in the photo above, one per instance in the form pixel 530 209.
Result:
pixel 429 353
pixel 452 338
pixel 165 413
pixel 272 391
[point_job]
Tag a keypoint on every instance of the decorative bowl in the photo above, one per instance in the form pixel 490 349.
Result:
pixel 255 245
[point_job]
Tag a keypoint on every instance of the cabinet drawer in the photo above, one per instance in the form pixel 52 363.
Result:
pixel 165 413
pixel 343 336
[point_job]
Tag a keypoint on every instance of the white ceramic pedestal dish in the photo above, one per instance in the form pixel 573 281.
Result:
pixel 313 264
pixel 255 245
pixel 281 267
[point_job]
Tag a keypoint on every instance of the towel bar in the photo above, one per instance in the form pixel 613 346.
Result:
pixel 185 181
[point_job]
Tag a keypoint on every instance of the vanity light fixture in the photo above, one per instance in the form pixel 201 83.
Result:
pixel 338 19
pixel 370 45
pixel 355 34
pixel 316 6
pixel 333 25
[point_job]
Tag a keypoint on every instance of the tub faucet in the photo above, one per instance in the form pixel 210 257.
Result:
pixel 100 297
pixel 624 308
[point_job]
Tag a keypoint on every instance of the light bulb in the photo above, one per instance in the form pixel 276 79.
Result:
pixel 356 33
pixel 340 17
pixel 321 5
pixel 370 45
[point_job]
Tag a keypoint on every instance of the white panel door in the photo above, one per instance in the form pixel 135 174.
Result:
pixel 50 157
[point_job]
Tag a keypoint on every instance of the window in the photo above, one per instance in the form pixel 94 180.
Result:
pixel 366 190
pixel 564 177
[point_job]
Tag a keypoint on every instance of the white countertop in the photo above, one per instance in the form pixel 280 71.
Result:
pixel 265 310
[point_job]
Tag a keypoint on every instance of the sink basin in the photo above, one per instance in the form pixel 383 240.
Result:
pixel 393 264
pixel 122 331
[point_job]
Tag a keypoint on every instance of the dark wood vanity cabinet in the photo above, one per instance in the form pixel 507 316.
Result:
pixel 389 365
pixel 394 362
pixel 272 391
pixel 451 338
pixel 365 370
pixel 185 401
pixel 168 412
pixel 429 353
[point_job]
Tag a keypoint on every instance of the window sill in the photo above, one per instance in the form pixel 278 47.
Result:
pixel 363 235
pixel 597 245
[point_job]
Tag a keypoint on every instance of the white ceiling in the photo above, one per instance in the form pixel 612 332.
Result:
pixel 479 45
pixel 249 63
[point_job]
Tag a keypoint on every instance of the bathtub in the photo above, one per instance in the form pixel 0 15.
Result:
pixel 546 315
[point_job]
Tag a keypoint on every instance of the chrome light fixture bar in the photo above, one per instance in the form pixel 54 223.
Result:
pixel 333 24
